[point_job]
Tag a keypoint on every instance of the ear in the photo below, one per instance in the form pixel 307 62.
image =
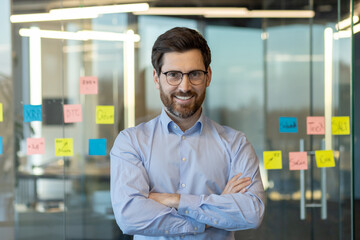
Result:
pixel 208 76
pixel 156 79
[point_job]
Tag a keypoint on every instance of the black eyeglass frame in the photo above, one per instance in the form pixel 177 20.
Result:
pixel 182 76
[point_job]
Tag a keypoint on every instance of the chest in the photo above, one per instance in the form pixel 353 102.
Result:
pixel 188 164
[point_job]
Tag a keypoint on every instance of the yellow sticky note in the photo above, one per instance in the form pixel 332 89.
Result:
pixel 104 114
pixel 272 160
pixel 340 125
pixel 1 112
pixel 64 147
pixel 324 158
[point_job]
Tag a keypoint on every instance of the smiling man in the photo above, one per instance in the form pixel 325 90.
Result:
pixel 182 175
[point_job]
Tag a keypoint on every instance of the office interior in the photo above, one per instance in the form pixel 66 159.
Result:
pixel 271 59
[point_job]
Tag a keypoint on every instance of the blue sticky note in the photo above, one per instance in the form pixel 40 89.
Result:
pixel 288 124
pixel 1 145
pixel 97 146
pixel 32 113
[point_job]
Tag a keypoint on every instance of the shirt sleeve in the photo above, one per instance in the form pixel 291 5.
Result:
pixel 231 212
pixel 129 186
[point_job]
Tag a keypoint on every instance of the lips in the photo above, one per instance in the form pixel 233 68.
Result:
pixel 184 98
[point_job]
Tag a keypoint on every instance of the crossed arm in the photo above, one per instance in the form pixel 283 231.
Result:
pixel 235 185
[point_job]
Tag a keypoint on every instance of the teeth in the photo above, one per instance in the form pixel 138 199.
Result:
pixel 183 98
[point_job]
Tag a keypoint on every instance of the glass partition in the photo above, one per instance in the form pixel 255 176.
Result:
pixel 92 78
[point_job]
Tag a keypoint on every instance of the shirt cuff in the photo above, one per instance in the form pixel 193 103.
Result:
pixel 188 205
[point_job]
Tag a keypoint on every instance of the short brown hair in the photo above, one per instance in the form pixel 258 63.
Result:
pixel 179 39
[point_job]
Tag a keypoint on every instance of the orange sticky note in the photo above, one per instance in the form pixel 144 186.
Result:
pixel 315 125
pixel 298 161
pixel 72 113
pixel 1 112
pixel 88 85
pixel 272 159
pixel 104 114
pixel 340 125
pixel 324 158
pixel 35 146
pixel 64 147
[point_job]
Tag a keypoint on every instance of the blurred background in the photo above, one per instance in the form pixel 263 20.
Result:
pixel 271 59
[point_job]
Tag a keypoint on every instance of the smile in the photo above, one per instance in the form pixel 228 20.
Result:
pixel 183 97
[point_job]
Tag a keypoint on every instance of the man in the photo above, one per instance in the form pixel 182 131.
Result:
pixel 181 175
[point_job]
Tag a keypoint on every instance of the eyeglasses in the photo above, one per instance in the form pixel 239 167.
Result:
pixel 174 78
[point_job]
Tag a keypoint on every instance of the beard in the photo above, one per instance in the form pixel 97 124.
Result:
pixel 182 110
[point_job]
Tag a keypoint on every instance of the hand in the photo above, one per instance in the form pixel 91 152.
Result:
pixel 167 199
pixel 237 184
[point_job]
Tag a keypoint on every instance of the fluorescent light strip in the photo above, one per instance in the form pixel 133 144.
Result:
pixel 44 17
pixel 78 13
pixel 228 12
pixel 191 11
pixel 346 23
pixel 328 77
pixel 80 35
pixel 347 33
pixel 103 9
pixel 267 14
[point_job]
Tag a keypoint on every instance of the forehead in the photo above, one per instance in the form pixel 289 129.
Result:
pixel 183 61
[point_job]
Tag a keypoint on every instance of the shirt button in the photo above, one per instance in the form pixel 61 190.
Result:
pixel 215 222
pixel 183 137
pixel 186 212
pixel 195 228
pixel 183 185
pixel 184 159
pixel 167 232
pixel 175 127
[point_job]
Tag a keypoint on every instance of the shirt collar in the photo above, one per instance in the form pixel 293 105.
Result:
pixel 171 127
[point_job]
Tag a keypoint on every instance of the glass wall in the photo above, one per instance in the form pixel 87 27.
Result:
pixel 74 90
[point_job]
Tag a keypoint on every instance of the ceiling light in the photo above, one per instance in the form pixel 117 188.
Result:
pixel 191 11
pixel 266 14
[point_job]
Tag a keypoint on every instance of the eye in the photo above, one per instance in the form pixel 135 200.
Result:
pixel 196 74
pixel 173 74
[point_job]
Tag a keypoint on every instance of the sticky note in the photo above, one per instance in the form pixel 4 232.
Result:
pixel 35 146
pixel 32 113
pixel 298 161
pixel 272 160
pixel 104 114
pixel 97 146
pixel 340 125
pixel 324 158
pixel 64 147
pixel 315 125
pixel 1 145
pixel 88 85
pixel 288 125
pixel 72 113
pixel 1 112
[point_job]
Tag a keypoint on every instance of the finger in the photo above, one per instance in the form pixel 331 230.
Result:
pixel 240 187
pixel 244 190
pixel 241 181
pixel 236 177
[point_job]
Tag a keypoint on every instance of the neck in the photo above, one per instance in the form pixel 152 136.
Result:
pixel 185 123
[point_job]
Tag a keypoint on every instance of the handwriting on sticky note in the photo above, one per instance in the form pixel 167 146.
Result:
pixel 288 125
pixel 324 158
pixel 298 161
pixel 104 114
pixel 315 125
pixel 35 146
pixel 272 160
pixel 1 112
pixel 88 85
pixel 72 113
pixel 32 113
pixel 97 147
pixel 1 145
pixel 340 125
pixel 64 147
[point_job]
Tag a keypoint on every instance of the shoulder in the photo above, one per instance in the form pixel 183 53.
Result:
pixel 226 133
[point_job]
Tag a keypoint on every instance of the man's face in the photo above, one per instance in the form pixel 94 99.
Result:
pixel 184 100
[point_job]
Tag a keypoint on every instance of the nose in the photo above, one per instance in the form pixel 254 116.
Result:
pixel 185 84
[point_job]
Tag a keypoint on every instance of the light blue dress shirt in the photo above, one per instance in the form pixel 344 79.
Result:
pixel 157 156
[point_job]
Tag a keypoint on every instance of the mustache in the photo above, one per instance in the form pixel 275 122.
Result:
pixel 184 94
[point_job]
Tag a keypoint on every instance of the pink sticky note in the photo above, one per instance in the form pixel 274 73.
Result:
pixel 88 85
pixel 315 125
pixel 298 161
pixel 35 146
pixel 72 113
